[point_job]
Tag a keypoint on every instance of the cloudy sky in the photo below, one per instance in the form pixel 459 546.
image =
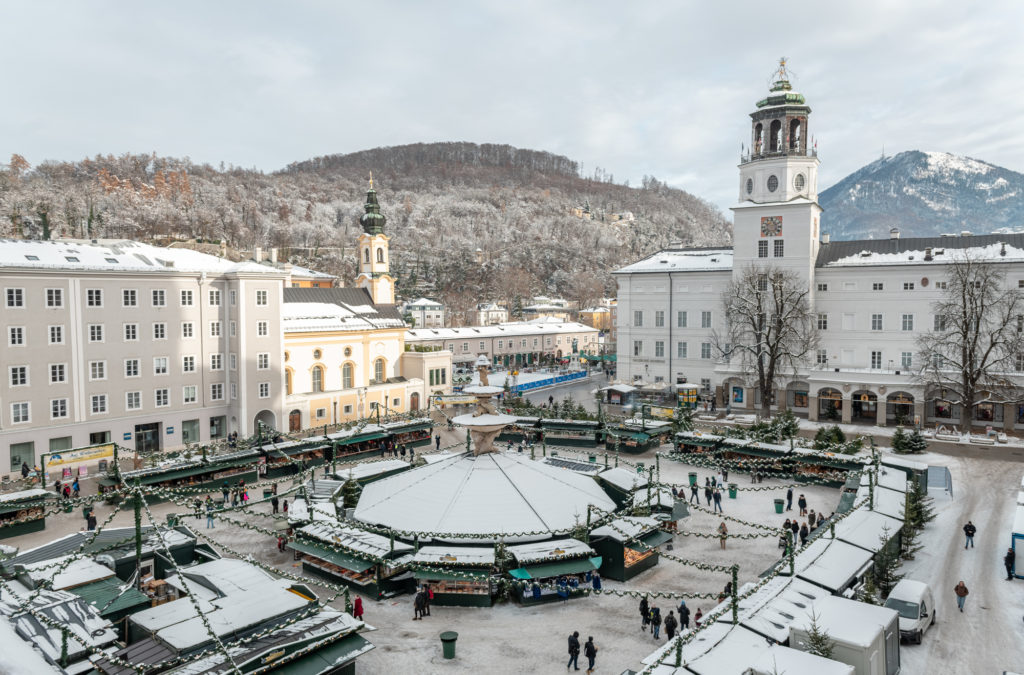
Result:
pixel 658 88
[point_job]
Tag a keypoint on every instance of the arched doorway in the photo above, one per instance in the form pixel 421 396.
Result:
pixel 295 420
pixel 899 407
pixel 864 407
pixel 266 418
pixel 414 401
pixel 830 404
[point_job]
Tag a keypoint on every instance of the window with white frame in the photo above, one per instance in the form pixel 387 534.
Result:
pixel 54 297
pixel 234 391
pixel 823 322
pixel 876 322
pixel 638 347
pixel 160 365
pixel 501 344
pixel 233 361
pixel 188 393
pixel 58 373
pixel 681 350
pixel 162 398
pixel 659 348
pixel 20 412
pixel 97 370
pixel 160 331
pixel 18 376
pixel 98 404
pixel 263 330
pixel 681 319
pixel 215 329
pixel 264 391
pixel 131 367
pixel 941 285
pixel 483 345
pixel 821 357
pixel 214 297
pixel 96 332
pixel 186 298
pixel 15 297
pixel 908 321
pixel 907 359
pixel 780 248
pixel 939 322
pixel 762 249
pixel 659 319
pixel 232 329
pixel 347 409
pixel 93 297
pixel 705 319
pixel 762 282
pixel 217 391
pixel 133 400
pixel 188 364
pixel 129 297
pixel 876 360
pixel 908 285
pixel 263 361
pixel 159 297
pixel 58 408
pixel 131 332
pixel 261 298
pixel 705 350
pixel 216 361
pixel 638 318
pixel 822 287
pixel 234 297
pixel 16 336
pixel 321 413
pixel 187 329
pixel 878 286
pixel 56 335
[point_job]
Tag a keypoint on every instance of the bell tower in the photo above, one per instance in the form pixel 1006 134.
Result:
pixel 777 217
pixel 374 259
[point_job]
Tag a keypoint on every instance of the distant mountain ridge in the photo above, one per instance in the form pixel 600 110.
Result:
pixel 924 194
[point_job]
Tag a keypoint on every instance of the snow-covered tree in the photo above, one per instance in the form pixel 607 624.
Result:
pixel 819 642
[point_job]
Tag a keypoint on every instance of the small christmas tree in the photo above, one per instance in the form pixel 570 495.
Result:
pixel 916 443
pixel 868 592
pixel 899 441
pixel 909 545
pixel 350 493
pixel 818 641
pixel 919 507
pixel 786 425
pixel 887 564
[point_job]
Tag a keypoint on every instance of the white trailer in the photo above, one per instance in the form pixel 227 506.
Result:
pixel 866 637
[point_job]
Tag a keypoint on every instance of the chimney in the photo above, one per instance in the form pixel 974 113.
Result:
pixel 826 238
pixel 1002 248
pixel 928 253
pixel 894 233
pixel 273 255
pixel 257 255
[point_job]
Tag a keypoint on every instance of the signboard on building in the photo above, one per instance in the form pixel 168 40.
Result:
pixel 83 455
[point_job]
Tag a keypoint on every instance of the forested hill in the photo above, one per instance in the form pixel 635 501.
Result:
pixel 521 208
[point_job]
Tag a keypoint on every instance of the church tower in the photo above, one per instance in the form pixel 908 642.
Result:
pixel 374 263
pixel 777 218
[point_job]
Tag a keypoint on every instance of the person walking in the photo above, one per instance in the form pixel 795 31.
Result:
pixel 961 594
pixel 821 518
pixel 428 595
pixel 697 617
pixel 209 515
pixel 574 651
pixel 357 609
pixel 969 530
pixel 670 625
pixel 645 614
pixel 224 493
pixel 274 503
pixel 1008 560
pixel 804 532
pixel 418 601
pixel 718 500
pixel 24 470
pixel 802 503
pixel 590 651
pixel 437 442
pixel 74 489
pixel 284 506
pixel 789 499
pixel 723 533
pixel 708 492
pixel 656 622
pixel 90 520
pixel 693 494
pixel 684 615
pixel 795 526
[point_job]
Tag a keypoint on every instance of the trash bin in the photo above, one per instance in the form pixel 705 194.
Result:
pixel 639 467
pixel 172 520
pixel 593 459
pixel 732 490
pixel 69 507
pixel 86 510
pixel 779 504
pixel 448 639
pixel 693 478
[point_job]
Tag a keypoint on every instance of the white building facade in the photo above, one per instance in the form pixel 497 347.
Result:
pixel 425 313
pixel 871 298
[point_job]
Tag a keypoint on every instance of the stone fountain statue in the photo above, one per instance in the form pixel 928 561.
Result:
pixel 484 423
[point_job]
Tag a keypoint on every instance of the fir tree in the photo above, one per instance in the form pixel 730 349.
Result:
pixel 868 593
pixel 818 641
pixel 909 545
pixel 916 443
pixel 919 507
pixel 887 564
pixel 350 492
pixel 899 441
pixel 786 425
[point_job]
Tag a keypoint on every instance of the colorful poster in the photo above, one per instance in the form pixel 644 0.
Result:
pixel 737 394
pixel 83 455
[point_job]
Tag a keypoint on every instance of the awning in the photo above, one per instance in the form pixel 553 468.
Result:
pixel 632 435
pixel 327 658
pixel 652 540
pixel 557 568
pixel 451 575
pixel 405 428
pixel 703 442
pixel 373 436
pixel 345 560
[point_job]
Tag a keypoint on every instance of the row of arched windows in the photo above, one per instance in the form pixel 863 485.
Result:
pixel 380 255
pixel 318 372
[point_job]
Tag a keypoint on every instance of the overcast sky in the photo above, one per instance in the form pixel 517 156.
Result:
pixel 658 88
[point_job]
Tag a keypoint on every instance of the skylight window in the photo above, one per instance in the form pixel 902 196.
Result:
pixel 31 257
pixel 112 261
pixel 71 258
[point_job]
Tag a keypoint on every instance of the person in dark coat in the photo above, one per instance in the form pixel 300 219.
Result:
pixel 684 615
pixel 24 470
pixel 970 530
pixel 656 622
pixel 670 625
pixel 718 500
pixel 789 499
pixel 284 506
pixel 590 651
pixel 437 441
pixel 274 503
pixel 802 503
pixel 961 594
pixel 595 581
pixel 796 529
pixel 804 532
pixel 357 609
pixel 645 613
pixel 574 651
pixel 693 494
pixel 418 604
pixel 708 493
pixel 90 520
pixel 1008 560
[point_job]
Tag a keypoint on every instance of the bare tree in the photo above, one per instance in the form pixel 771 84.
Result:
pixel 769 327
pixel 977 338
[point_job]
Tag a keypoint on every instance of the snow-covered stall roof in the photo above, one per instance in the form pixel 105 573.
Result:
pixel 773 617
pixel 707 638
pixel 624 479
pixel 301 511
pixel 63 608
pixel 79 572
pixel 455 555
pixel 575 465
pixel 220 578
pixel 526 554
pixel 503 330
pixel 732 655
pixel 661 496
pixel 169 613
pixel 850 621
pixel 21 495
pixel 490 493
pixel 370 469
pixel 831 563
pixel 864 528
pixel 626 528
pixel 779 659
pixel 354 539
pixel 620 388
pixel 890 478
pixel 888 502
pixel 20 658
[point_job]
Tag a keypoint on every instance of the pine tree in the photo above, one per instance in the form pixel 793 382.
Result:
pixel 916 443
pixel 350 492
pixel 868 593
pixel 818 641
pixel 919 507
pixel 899 441
pixel 909 545
pixel 887 564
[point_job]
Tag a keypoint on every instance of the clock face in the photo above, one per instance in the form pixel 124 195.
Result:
pixel 799 182
pixel 771 226
pixel 750 185
pixel 773 183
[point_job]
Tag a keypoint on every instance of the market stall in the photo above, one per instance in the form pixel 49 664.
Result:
pixel 24 511
pixel 628 546
pixel 415 433
pixel 635 436
pixel 209 474
pixel 568 564
pixel 373 564
pixel 577 433
pixel 695 442
pixel 620 483
pixel 458 575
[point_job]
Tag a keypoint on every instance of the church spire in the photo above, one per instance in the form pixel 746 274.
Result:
pixel 373 220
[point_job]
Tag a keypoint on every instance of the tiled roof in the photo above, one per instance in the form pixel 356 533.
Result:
pixel 912 250
pixel 357 300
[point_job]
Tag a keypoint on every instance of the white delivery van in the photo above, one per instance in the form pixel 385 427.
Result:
pixel 916 606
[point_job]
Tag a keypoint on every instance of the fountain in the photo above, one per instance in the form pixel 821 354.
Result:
pixel 485 423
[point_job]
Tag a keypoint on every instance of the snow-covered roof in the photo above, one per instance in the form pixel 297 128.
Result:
pixel 170 613
pixel 305 272
pixel 118 255
pixel 661 496
pixel 848 621
pixel 549 550
pixel 691 260
pixel 62 608
pixel 20 495
pixel 79 572
pixel 891 479
pixel 301 511
pixel 360 541
pixel 490 493
pixel 831 563
pixel 621 388
pixel 625 528
pixel 993 252
pixel 864 528
pixel 455 555
pixel 707 638
pixel 20 658
pixel 370 469
pixel 779 659
pixel 513 329
pixel 423 303
pixel 772 616
pixel 225 576
pixel 303 317
pixel 624 479
pixel 886 501
pixel 729 656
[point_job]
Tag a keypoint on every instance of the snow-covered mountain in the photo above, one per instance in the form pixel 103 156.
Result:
pixel 924 194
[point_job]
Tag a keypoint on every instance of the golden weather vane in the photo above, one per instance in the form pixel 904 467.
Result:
pixel 371 180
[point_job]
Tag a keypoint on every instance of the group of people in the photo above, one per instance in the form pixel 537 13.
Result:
pixel 589 650
pixel 712 491
pixel 651 616
pixel 421 602
pixel 67 490
pixel 237 494
pixel 801 530
pixel 389 447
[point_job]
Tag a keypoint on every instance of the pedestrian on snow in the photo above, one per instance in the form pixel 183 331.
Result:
pixel 357 609
pixel 802 503
pixel 961 594
pixel 90 520
pixel 67 492
pixel 551 401
pixel 656 622
pixel 224 492
pixel 675 493
pixel 714 482
pixel 418 603
pixel 645 613
pixel 24 470
pixel 595 581
pixel 723 533
pixel 428 595
pixel 74 489
pixel 693 494
pixel 789 499
pixel 1008 560
pixel 804 532
pixel 284 506
pixel 402 451
pixel 670 625
pixel 437 442
pixel 725 475
pixel 275 503
pixel 684 615
pixel 969 530
pixel 280 543
pixel 718 500
pixel 796 529
pixel 812 520
pixel 209 515
pixel 708 493
pixel 574 651
pixel 412 454
pixel 697 617
pixel 590 651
